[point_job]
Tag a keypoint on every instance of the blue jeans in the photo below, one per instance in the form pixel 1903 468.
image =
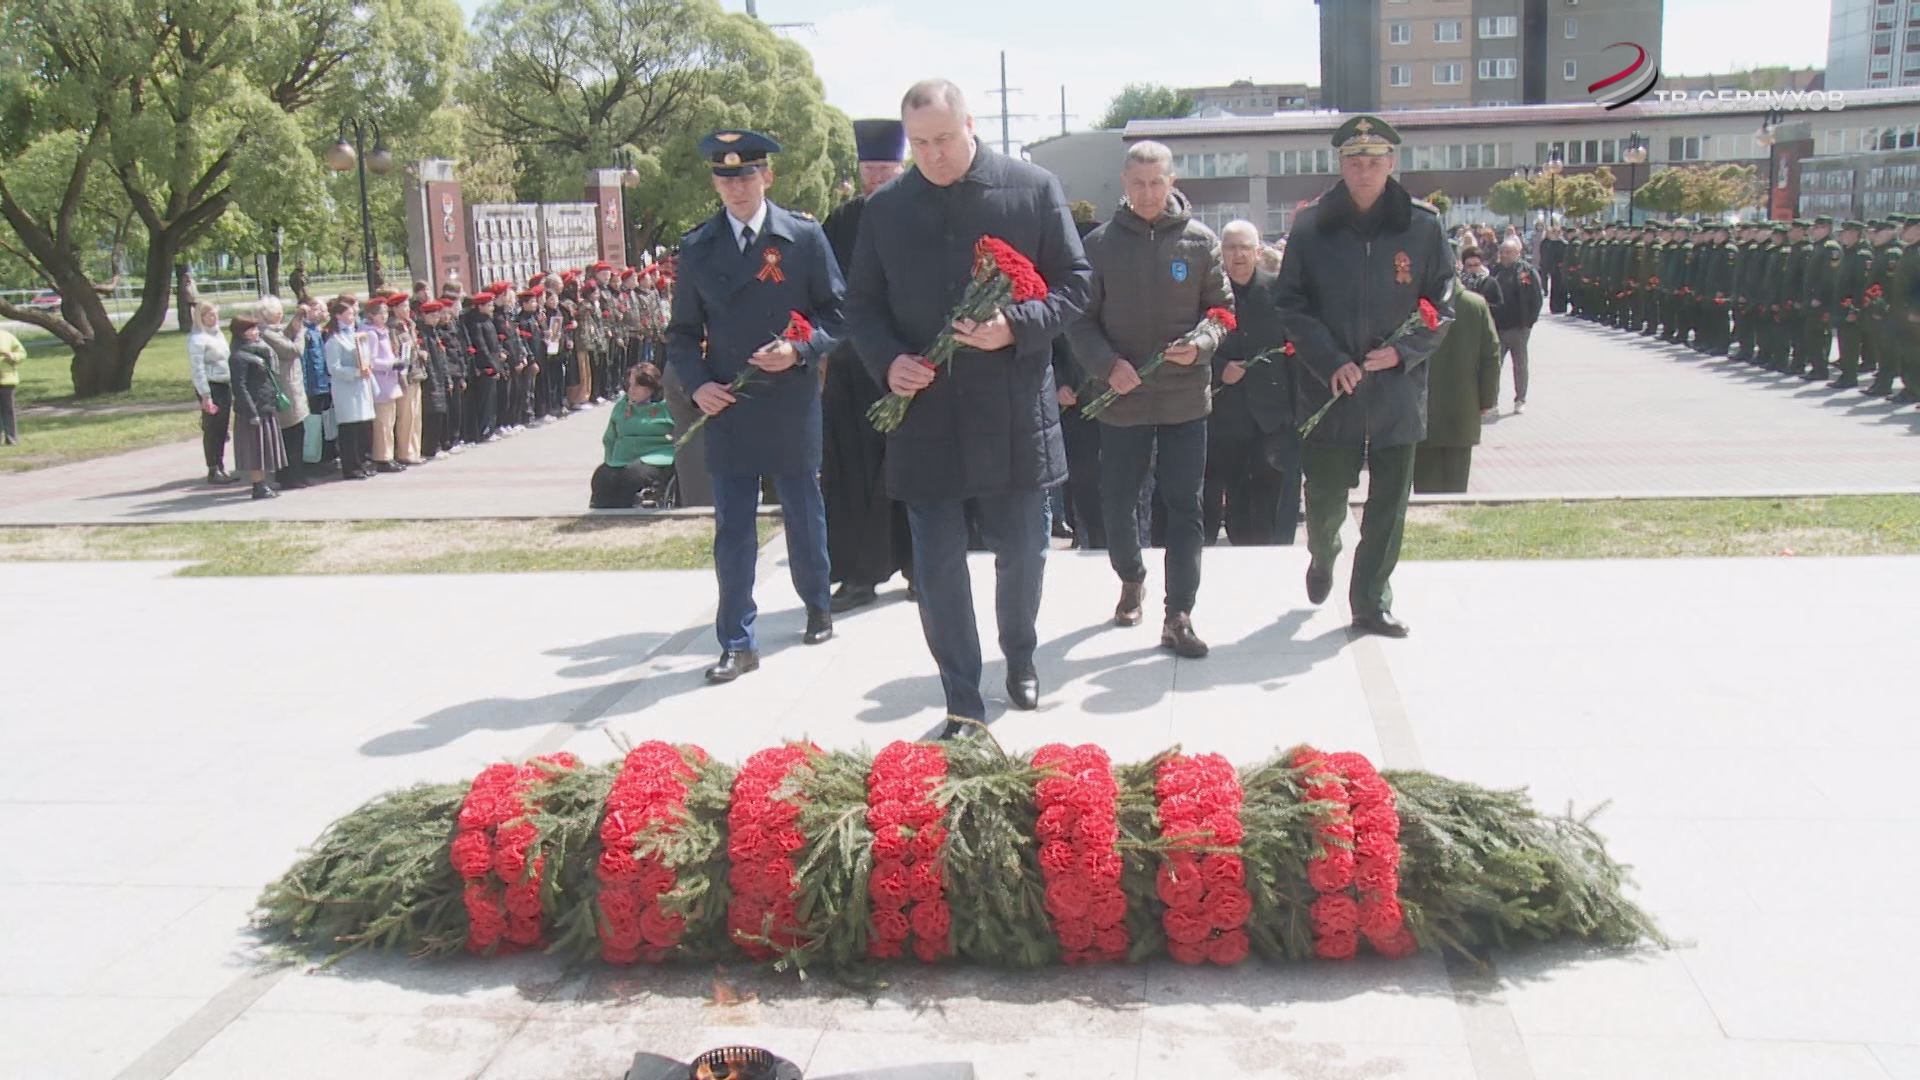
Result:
pixel 1014 526
pixel 736 544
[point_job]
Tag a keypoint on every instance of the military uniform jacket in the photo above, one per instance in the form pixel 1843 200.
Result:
pixel 1349 280
pixel 740 302
pixel 1885 261
pixel 1851 290
pixel 990 423
pixel 483 343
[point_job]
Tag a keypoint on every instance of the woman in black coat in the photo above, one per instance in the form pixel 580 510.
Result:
pixel 257 447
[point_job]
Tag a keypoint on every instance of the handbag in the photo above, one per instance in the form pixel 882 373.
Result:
pixel 281 402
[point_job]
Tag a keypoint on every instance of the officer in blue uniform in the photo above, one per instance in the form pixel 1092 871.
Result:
pixel 742 272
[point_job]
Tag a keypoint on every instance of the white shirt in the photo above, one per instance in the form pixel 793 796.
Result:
pixel 207 356
pixel 758 224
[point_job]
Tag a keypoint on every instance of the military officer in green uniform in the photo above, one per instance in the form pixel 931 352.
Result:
pixel 1359 261
pixel 1904 316
pixel 1671 280
pixel 1850 290
pixel 1793 288
pixel 1747 276
pixel 1646 251
pixel 1882 334
pixel 1819 296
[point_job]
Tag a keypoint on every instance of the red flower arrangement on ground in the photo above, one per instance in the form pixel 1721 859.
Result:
pixel 1360 854
pixel 907 885
pixel 1205 892
pixel 1078 831
pixel 648 796
pixel 1001 275
pixel 493 853
pixel 763 837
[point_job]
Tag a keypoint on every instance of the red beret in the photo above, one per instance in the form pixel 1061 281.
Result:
pixel 536 279
pixel 483 298
pixel 534 293
pixel 432 306
pixel 627 273
pixel 599 266
pixel 569 275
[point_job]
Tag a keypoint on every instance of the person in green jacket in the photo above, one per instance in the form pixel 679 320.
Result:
pixel 638 442
pixel 12 355
pixel 1463 385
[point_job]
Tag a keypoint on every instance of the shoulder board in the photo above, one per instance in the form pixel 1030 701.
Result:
pixel 695 232
pixel 802 215
pixel 1425 205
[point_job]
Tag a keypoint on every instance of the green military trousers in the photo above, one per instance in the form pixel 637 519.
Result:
pixel 1330 472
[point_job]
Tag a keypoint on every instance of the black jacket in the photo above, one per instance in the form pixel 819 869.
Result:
pixel 250 368
pixel 1261 403
pixel 1349 280
pixel 1518 305
pixel 483 343
pixel 990 423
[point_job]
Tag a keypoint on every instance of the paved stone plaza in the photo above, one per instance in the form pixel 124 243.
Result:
pixel 1611 415
pixel 165 755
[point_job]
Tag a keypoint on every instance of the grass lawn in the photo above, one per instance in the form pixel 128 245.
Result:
pixel 96 426
pixel 225 549
pixel 1667 528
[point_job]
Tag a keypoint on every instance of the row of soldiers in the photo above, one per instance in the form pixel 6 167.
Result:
pixel 1775 294
pixel 521 356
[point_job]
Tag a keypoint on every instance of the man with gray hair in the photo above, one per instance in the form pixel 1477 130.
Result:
pixel 1253 451
pixel 1156 271
pixel 984 428
pixel 1516 307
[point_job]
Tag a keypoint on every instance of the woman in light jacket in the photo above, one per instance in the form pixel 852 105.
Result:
pixel 280 335
pixel 352 379
pixel 407 420
pixel 207 367
pixel 389 374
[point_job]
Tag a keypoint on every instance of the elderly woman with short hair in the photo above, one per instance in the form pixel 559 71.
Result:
pixel 290 379
pixel 207 367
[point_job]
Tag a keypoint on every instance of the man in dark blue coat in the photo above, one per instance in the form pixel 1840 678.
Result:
pixel 743 273
pixel 986 427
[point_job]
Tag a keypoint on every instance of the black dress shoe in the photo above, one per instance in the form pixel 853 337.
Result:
pixel 1319 584
pixel 1382 623
pixel 913 593
pixel 819 626
pixel 1177 634
pixel 850 596
pixel 221 476
pixel 389 466
pixel 262 491
pixel 1023 688
pixel 733 664
pixel 958 728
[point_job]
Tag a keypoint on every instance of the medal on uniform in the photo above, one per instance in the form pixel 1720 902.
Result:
pixel 1402 269
pixel 770 266
pixel 1180 271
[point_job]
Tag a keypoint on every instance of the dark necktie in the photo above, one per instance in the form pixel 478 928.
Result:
pixel 746 239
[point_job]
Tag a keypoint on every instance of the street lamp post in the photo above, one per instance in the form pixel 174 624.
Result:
pixel 1523 173
pixel 1636 156
pixel 346 156
pixel 1765 137
pixel 1552 168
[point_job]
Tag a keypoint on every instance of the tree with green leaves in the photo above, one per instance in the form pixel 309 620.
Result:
pixel 1665 192
pixel 1712 190
pixel 180 113
pixel 571 85
pixel 1147 101
pixel 1440 201
pixel 1513 197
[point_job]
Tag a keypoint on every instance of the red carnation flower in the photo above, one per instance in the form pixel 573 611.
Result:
pixel 1111 941
pixel 890 845
pixel 1429 314
pixel 523 899
pixel 1228 907
pixel 926 881
pixel 929 951
pixel 798 330
pixel 932 919
pixel 1183 953
pixel 1180 883
pixel 1074 934
pixel 1340 946
pixel 1102 867
pixel 1068 898
pixel 1331 872
pixel 1185 928
pixel 1218 870
pixel 1335 914
pixel 891 926
pixel 1380 916
pixel 1223 318
pixel 1228 948
pixel 1058 857
pixel 472 855
pixel 1109 906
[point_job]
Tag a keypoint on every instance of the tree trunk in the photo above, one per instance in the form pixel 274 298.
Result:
pixel 104 362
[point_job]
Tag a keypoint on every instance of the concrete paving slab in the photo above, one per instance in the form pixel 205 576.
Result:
pixel 1681 690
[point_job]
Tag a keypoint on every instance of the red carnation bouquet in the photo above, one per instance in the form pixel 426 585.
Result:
pixel 1219 317
pixel 1424 316
pixel 798 331
pixel 1001 276
pixel 1876 300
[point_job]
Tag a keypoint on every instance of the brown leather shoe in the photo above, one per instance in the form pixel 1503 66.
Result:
pixel 1177 634
pixel 1127 611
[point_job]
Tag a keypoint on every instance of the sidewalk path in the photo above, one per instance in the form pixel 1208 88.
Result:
pixel 163 761
pixel 1612 415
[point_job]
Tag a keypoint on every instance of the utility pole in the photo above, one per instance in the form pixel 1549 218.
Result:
pixel 1063 108
pixel 1006 134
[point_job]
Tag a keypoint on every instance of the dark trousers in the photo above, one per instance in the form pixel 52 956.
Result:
pixel 435 434
pixel 1127 454
pixel 482 412
pixel 214 425
pixel 1014 526
pixel 356 447
pixel 294 440
pixel 1331 472
pixel 9 427
pixel 1441 469
pixel 616 489
pixel 318 404
pixel 1082 437
pixel 736 545
pixel 1244 493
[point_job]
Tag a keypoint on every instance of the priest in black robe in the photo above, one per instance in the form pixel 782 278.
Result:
pixel 867 537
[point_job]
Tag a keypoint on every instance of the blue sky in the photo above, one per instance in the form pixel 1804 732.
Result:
pixel 868 52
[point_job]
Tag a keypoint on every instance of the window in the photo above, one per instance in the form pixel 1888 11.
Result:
pixel 1399 75
pixel 1447 74
pixel 1447 30
pixel 1913 39
pixel 1300 162
pixel 1684 148
pixel 1572 28
pixel 1494 104
pixel 1499 69
pixel 1400 33
pixel 1569 70
pixel 1880 65
pixel 1883 16
pixel 1279 221
pixel 1883 41
pixel 1500 26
